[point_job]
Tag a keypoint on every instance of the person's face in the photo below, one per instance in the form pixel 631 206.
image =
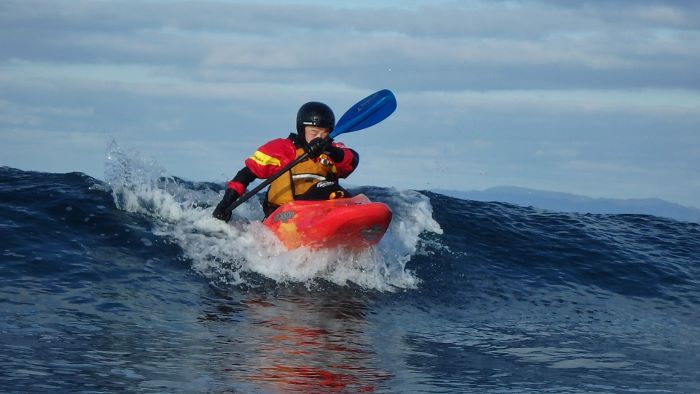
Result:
pixel 312 132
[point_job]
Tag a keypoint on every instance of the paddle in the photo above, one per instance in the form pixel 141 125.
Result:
pixel 367 112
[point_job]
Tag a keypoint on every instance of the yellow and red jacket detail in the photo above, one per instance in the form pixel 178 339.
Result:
pixel 274 155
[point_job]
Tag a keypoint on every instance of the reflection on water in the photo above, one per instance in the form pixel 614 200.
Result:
pixel 296 340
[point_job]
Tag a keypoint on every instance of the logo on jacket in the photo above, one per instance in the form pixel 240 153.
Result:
pixel 324 184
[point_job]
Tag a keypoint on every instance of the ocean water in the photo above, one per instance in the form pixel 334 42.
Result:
pixel 127 284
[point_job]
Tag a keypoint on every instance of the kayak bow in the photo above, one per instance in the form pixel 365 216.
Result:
pixel 349 223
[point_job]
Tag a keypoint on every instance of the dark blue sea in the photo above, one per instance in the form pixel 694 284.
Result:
pixel 126 284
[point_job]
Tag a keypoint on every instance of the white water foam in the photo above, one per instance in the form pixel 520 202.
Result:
pixel 227 253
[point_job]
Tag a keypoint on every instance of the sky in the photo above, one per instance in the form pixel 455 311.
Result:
pixel 598 98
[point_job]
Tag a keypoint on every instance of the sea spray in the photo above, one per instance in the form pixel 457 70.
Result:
pixel 228 253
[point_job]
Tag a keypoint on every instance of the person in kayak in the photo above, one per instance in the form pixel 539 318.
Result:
pixel 313 179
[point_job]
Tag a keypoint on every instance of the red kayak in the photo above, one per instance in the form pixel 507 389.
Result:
pixel 350 223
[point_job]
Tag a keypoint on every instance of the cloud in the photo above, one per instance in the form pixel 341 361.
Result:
pixel 533 93
pixel 451 45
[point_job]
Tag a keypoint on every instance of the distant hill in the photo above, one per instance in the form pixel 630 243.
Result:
pixel 565 202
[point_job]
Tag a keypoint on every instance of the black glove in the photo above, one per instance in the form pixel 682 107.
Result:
pixel 220 211
pixel 336 154
pixel 317 146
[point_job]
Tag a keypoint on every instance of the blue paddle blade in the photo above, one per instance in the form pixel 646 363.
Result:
pixel 367 112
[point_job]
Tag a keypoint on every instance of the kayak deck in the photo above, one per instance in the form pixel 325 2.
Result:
pixel 350 223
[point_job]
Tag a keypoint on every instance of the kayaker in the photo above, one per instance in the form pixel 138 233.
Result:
pixel 313 179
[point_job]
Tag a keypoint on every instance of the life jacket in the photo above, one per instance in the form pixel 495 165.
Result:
pixel 301 178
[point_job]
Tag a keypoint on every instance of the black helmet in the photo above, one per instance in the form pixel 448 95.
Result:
pixel 315 114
